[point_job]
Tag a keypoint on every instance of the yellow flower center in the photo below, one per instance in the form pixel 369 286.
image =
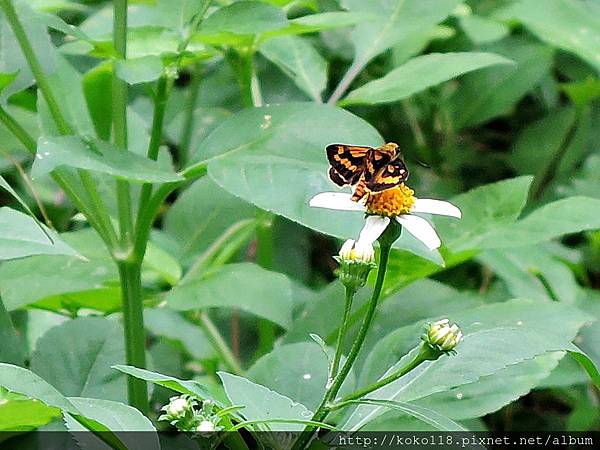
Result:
pixel 392 202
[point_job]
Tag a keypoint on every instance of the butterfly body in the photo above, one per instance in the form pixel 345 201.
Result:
pixel 369 169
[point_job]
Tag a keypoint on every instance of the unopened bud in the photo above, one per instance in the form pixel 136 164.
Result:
pixel 356 260
pixel 443 336
pixel 206 426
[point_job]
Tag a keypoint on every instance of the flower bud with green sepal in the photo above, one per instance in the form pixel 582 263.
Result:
pixel 356 260
pixel 441 337
pixel 180 413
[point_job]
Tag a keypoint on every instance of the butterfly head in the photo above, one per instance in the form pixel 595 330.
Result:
pixel 390 148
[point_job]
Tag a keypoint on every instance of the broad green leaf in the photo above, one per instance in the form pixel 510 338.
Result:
pixel 491 92
pixel 139 70
pixel 262 403
pixel 22 236
pixel 66 85
pixel 569 215
pixel 313 23
pixel 200 215
pixel 586 182
pixel 298 371
pixel 117 417
pixel 97 88
pixel 23 381
pixel 392 21
pixel 537 145
pixel 72 151
pixel 7 187
pixel 171 325
pixel 188 387
pixel 11 351
pixel 22 414
pixel 482 30
pixel 436 420
pixel 419 74
pixel 63 282
pixel 567 24
pixel 494 339
pixel 246 17
pixel 266 156
pixel 490 393
pixel 298 59
pixel 160 263
pixel 76 356
pixel 265 294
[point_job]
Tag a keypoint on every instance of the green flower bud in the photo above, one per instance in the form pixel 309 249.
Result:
pixel 356 260
pixel 180 413
pixel 442 336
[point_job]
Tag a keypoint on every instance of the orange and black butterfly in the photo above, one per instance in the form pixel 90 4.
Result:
pixel 370 169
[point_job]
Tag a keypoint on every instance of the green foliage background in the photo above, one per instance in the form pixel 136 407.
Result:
pixel 495 104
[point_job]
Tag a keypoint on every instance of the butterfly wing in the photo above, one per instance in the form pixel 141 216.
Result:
pixel 387 176
pixel 347 163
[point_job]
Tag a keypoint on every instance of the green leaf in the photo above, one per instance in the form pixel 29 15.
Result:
pixel 436 420
pixel 313 23
pixel 567 24
pixel 265 294
pixel 262 403
pixel 22 236
pixel 491 92
pixel 246 17
pixel 200 215
pixel 22 414
pixel 298 59
pixel 170 324
pixel 23 381
pixel 4 184
pixel 117 417
pixel 496 336
pixel 483 30
pixel 419 74
pixel 76 356
pixel 62 282
pixel 161 263
pixel 298 371
pixel 274 157
pixel 392 22
pixel 188 387
pixel 11 351
pixel 72 151
pixel 139 70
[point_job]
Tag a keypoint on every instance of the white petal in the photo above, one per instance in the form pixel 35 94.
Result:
pixel 374 226
pixel 421 229
pixel 439 207
pixel 336 200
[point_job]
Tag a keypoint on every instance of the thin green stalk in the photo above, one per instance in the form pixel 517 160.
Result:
pixel 219 343
pixel 342 333
pixel 415 362
pixel 135 338
pixel 264 257
pixel 18 131
pixel 543 179
pixel 119 112
pixel 188 122
pixel 323 409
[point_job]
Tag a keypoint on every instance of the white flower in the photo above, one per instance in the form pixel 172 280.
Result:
pixel 443 336
pixel 397 203
pixel 206 426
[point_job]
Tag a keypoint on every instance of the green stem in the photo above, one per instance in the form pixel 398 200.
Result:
pixel 219 343
pixel 415 362
pixel 264 257
pixel 544 178
pixel 323 409
pixel 342 333
pixel 188 122
pixel 133 322
pixel 119 111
